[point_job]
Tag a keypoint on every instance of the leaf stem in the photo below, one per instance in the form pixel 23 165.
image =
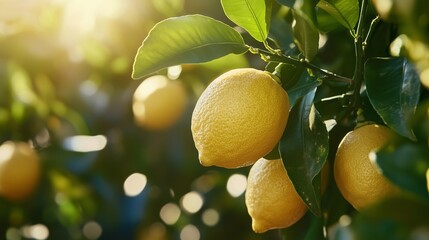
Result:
pixel 374 22
pixel 279 57
pixel 359 55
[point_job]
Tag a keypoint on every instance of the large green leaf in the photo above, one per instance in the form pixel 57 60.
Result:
pixel 344 11
pixel 252 15
pixel 304 149
pixel 393 88
pixel 306 35
pixel 185 39
pixel 405 163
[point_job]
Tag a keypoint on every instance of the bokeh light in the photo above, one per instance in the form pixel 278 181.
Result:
pixel 210 217
pixel 135 184
pixel 170 213
pixel 236 184
pixel 192 202
pixel 174 72
pixel 92 230
pixel 37 231
pixel 190 232
pixel 83 143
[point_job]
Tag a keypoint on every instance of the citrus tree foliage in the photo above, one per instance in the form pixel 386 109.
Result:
pixel 343 63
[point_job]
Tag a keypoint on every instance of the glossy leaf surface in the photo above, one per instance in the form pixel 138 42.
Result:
pixel 186 39
pixel 304 149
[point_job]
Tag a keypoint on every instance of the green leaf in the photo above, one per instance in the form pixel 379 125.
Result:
pixel 405 164
pixel 420 121
pixel 344 11
pixel 305 84
pixel 326 22
pixel 304 149
pixel 185 39
pixel 393 88
pixel 289 74
pixel 281 33
pixel 306 35
pixel 252 15
pixel 307 9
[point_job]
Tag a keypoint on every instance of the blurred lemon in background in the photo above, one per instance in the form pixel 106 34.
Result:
pixel 20 170
pixel 159 102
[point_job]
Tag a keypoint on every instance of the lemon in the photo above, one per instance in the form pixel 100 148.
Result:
pixel 271 198
pixel 358 179
pixel 19 170
pixel 239 118
pixel 159 102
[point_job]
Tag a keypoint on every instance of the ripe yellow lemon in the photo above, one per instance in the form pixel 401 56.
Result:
pixel 159 102
pixel 239 118
pixel 271 198
pixel 357 178
pixel 19 170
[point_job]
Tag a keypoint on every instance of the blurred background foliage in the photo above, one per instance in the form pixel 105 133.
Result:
pixel 65 86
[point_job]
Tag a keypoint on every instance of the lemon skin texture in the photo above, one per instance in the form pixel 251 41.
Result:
pixel 359 180
pixel 239 118
pixel 271 198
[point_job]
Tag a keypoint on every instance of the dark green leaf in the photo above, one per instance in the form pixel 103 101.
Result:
pixel 304 149
pixel 345 12
pixel 186 39
pixel 252 15
pixel 306 35
pixel 333 107
pixel 420 121
pixel 305 84
pixel 393 88
pixel 289 74
pixel 405 164
pixel 281 33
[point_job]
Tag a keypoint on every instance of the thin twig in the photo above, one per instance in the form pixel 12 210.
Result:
pixel 287 59
pixel 374 22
